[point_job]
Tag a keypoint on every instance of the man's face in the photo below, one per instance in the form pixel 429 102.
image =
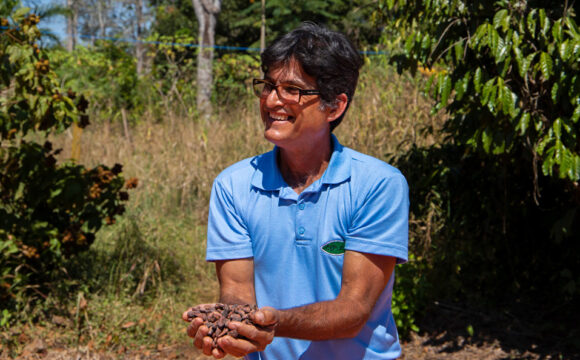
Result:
pixel 294 125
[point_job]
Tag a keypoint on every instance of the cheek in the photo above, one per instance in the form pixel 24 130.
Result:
pixel 263 111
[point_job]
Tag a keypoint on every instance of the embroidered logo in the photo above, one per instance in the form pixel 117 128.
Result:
pixel 334 247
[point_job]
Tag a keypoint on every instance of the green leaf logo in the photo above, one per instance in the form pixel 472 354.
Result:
pixel 334 247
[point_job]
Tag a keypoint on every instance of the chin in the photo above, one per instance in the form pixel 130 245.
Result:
pixel 275 137
pixel 271 137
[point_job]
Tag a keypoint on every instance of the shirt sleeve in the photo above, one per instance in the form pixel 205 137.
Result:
pixel 380 222
pixel 227 235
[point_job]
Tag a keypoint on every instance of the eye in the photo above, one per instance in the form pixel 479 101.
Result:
pixel 291 90
pixel 268 86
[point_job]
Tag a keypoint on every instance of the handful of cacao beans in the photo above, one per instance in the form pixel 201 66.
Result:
pixel 217 317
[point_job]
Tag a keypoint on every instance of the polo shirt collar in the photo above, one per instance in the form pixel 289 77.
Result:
pixel 338 169
pixel 267 175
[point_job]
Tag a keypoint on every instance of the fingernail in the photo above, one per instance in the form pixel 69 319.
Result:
pixel 259 316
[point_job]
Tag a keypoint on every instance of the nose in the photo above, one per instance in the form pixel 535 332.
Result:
pixel 273 100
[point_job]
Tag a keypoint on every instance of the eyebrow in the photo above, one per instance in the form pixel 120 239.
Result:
pixel 288 82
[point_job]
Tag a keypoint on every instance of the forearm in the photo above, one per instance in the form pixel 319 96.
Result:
pixel 339 318
pixel 236 278
pixel 345 316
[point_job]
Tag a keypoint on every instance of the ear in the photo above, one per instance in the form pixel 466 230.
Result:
pixel 338 109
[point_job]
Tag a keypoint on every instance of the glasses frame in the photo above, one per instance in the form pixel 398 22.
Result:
pixel 275 87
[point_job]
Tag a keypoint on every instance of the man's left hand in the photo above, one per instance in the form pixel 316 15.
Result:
pixel 257 336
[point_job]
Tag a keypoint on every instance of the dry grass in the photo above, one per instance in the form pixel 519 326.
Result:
pixel 388 114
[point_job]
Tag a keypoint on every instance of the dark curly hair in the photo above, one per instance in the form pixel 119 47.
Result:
pixel 326 55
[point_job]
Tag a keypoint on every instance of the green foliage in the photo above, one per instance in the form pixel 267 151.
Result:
pixel 348 16
pixel 233 76
pixel 105 73
pixel 31 99
pixel 47 211
pixel 239 21
pixel 480 230
pixel 495 205
pixel 511 78
pixel 283 16
pixel 408 295
pixel 173 74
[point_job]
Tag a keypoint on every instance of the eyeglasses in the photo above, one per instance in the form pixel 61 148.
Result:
pixel 287 93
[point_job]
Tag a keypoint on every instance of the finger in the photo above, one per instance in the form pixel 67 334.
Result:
pixel 260 337
pixel 194 326
pixel 199 335
pixel 185 316
pixel 266 316
pixel 207 345
pixel 218 354
pixel 236 347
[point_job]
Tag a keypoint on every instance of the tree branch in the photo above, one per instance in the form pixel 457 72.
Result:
pixel 442 35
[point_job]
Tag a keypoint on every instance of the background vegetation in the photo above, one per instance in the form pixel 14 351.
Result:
pixel 478 108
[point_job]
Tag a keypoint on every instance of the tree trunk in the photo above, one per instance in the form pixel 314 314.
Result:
pixel 263 28
pixel 206 12
pixel 71 24
pixel 139 48
pixel 126 127
pixel 101 17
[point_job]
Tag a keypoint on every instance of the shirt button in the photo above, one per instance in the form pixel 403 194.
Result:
pixel 301 230
pixel 301 206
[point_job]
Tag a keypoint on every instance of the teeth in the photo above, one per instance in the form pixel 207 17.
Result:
pixel 278 117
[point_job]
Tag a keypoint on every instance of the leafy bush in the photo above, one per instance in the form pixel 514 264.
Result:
pixel 104 72
pixel 233 77
pixel 511 78
pixel 48 211
pixel 496 205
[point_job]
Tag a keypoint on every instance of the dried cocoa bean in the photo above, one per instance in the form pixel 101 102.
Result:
pixel 217 317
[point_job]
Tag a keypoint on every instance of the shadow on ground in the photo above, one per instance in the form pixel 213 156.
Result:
pixel 450 331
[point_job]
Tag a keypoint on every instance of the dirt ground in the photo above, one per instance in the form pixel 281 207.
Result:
pixel 422 347
pixel 449 332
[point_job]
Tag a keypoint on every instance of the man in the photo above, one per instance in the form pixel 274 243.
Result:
pixel 311 231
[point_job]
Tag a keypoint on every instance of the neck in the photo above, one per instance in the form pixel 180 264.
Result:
pixel 303 166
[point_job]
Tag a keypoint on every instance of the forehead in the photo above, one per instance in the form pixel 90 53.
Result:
pixel 290 73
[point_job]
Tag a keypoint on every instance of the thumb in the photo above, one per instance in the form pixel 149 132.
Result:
pixel 266 316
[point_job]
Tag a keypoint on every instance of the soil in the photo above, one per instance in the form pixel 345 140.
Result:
pixel 449 332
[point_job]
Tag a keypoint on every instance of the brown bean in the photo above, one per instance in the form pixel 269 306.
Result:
pixel 217 317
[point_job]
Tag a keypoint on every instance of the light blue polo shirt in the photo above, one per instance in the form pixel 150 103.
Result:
pixel 297 241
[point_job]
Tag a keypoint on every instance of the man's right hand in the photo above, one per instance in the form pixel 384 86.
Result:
pixel 257 336
pixel 198 331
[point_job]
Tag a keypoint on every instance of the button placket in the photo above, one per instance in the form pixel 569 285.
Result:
pixel 301 221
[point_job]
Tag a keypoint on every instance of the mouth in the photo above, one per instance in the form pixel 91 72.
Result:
pixel 279 117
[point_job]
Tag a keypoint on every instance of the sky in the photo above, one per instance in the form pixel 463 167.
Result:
pixel 57 24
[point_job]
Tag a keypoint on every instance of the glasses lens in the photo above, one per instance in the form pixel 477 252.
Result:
pixel 288 94
pixel 260 89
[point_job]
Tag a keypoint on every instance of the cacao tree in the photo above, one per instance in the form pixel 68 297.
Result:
pixel 48 210
pixel 495 206
pixel 511 73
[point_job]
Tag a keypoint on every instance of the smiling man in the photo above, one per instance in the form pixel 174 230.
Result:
pixel 310 231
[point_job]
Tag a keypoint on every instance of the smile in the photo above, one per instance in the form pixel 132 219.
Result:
pixel 279 117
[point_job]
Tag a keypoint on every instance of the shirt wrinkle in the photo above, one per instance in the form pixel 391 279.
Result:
pixel 267 175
